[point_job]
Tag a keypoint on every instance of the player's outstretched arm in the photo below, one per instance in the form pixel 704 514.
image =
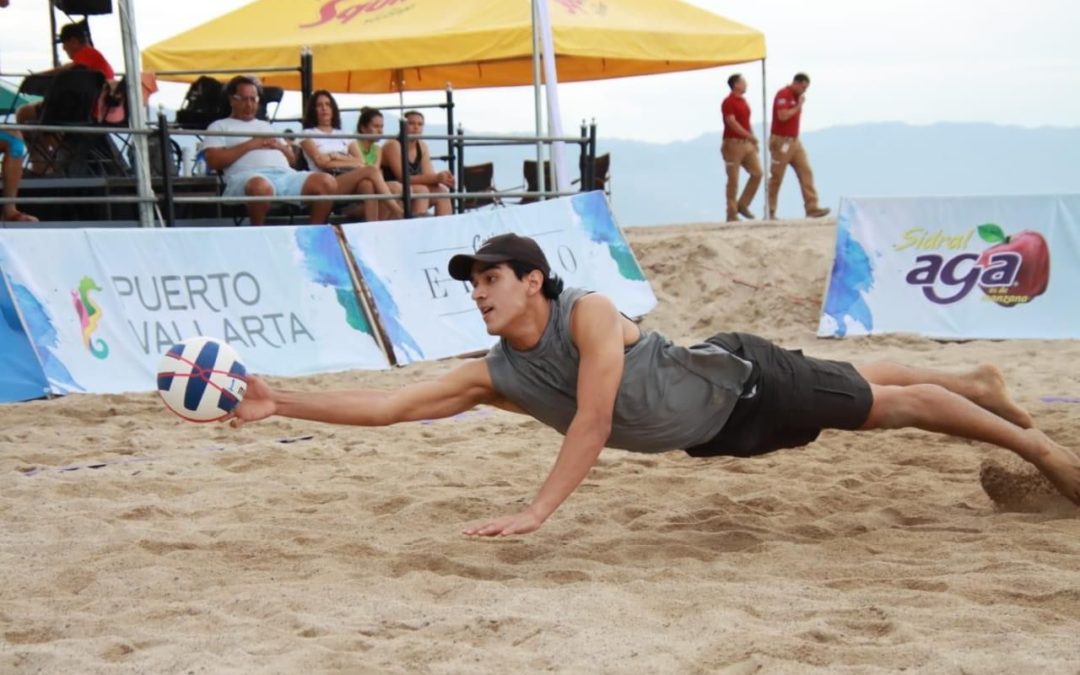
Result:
pixel 596 328
pixel 464 387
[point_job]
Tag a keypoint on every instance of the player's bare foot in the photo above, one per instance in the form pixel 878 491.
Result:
pixel 1061 466
pixel 1053 481
pixel 992 394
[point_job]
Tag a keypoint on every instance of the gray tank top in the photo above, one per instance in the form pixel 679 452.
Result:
pixel 670 397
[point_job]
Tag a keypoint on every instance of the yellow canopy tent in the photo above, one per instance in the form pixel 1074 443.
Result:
pixel 379 46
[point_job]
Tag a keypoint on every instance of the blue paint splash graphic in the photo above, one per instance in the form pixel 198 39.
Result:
pixel 852 276
pixel 325 265
pixel 596 220
pixel 400 339
pixel 45 338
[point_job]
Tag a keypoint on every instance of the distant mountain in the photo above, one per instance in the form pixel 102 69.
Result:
pixel 684 181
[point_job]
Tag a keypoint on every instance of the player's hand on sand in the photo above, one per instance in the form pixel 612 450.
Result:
pixel 519 523
pixel 258 403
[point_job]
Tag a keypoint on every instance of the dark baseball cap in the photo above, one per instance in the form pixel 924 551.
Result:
pixel 499 249
pixel 71 31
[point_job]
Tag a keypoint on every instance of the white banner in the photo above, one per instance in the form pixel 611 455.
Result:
pixel 428 315
pixel 972 267
pixel 102 305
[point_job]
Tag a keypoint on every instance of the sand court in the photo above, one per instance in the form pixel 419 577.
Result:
pixel 135 542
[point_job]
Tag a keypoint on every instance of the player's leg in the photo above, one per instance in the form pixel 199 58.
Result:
pixel 983 385
pixel 932 407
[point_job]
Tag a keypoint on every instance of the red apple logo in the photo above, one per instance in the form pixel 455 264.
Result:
pixel 1016 268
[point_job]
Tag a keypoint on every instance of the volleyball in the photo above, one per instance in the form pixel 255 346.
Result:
pixel 201 379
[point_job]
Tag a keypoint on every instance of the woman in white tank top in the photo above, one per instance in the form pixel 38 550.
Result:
pixel 342 157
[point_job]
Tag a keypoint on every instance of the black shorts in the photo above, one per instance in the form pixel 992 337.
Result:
pixel 796 397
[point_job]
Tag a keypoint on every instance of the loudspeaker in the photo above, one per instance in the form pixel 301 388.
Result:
pixel 84 7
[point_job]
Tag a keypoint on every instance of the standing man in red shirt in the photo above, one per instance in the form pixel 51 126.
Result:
pixel 785 148
pixel 739 149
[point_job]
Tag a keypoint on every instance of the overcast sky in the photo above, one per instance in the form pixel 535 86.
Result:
pixel 917 61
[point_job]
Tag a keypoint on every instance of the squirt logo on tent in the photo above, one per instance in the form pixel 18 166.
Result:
pixel 90 314
pixel 344 12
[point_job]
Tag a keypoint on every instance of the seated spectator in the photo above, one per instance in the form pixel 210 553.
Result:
pixel 14 151
pixel 341 157
pixel 260 166
pixel 371 122
pixel 423 178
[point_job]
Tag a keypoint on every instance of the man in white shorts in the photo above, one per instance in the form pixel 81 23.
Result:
pixel 260 166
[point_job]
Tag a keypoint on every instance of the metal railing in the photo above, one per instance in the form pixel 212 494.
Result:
pixel 168 200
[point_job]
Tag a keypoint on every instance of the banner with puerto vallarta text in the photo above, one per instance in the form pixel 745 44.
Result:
pixel 428 315
pixel 101 305
pixel 956 268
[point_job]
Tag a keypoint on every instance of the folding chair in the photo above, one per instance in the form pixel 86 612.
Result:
pixel 479 178
pixel 71 101
pixel 203 103
pixel 268 95
pixel 600 178
pixel 528 169
pixel 174 161
pixel 600 170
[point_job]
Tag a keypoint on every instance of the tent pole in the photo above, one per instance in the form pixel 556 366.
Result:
pixel 307 77
pixel 137 113
pixel 560 177
pixel 764 143
pixel 53 36
pixel 536 101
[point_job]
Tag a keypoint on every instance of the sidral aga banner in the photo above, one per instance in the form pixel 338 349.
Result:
pixel 970 267
pixel 428 315
pixel 101 305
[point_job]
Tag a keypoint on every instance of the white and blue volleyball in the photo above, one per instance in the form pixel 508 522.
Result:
pixel 201 379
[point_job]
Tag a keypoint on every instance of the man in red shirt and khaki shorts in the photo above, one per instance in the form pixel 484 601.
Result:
pixel 739 149
pixel 785 148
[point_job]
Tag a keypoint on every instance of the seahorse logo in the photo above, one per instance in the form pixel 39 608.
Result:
pixel 89 316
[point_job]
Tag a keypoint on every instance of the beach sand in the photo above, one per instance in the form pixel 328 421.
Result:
pixel 289 547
